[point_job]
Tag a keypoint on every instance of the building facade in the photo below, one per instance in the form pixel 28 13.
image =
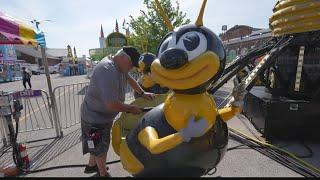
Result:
pixel 240 39
pixel 33 55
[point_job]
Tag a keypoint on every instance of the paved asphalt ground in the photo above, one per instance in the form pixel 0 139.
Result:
pixel 68 149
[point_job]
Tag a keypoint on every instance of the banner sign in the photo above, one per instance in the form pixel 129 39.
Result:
pixel 27 94
pixel 8 54
pixel 116 39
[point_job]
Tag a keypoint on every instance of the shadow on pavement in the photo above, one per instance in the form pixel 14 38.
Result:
pixel 41 152
pixel 56 148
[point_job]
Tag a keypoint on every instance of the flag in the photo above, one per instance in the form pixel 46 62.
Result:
pixel 117 27
pixel 124 22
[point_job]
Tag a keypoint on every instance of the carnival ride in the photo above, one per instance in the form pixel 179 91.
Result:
pixel 186 135
pixel 146 81
pixel 288 71
pixel 272 70
pixel 72 65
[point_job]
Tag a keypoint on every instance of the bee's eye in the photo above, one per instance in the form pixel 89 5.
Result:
pixel 191 41
pixel 164 46
pixel 194 43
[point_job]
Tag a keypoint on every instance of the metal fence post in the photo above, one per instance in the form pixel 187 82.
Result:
pixel 52 97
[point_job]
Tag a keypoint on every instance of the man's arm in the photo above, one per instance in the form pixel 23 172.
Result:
pixel 134 84
pixel 117 106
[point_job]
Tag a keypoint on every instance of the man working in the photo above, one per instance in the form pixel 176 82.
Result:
pixel 104 99
pixel 26 77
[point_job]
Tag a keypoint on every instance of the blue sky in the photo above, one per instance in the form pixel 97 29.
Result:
pixel 77 22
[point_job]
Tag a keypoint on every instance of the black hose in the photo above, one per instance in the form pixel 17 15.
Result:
pixel 245 146
pixel 274 154
pixel 15 153
pixel 5 150
pixel 61 167
pixel 310 152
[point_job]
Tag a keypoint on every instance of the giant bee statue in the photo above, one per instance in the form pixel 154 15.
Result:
pixel 186 135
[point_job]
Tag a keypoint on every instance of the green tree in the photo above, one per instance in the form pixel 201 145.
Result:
pixel 97 57
pixel 149 28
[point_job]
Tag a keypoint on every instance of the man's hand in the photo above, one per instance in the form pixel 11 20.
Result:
pixel 135 110
pixel 148 96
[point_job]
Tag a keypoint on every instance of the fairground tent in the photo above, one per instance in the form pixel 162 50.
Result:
pixel 12 31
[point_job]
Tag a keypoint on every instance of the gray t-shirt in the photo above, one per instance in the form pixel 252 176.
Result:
pixel 107 84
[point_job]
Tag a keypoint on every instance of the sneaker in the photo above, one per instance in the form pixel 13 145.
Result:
pixel 98 175
pixel 91 169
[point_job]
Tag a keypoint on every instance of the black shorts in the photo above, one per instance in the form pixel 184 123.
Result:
pixel 97 146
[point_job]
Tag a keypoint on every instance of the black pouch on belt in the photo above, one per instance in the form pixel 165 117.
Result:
pixel 95 135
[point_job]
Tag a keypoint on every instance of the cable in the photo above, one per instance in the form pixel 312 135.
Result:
pixel 61 167
pixel 15 153
pixel 278 150
pixel 275 156
pixel 243 145
pixel 308 149
pixel 5 151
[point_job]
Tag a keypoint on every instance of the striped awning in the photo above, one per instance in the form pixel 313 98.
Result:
pixel 12 31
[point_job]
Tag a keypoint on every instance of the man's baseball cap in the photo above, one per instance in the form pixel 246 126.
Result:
pixel 133 53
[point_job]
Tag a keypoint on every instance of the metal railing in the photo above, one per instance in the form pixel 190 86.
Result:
pixel 36 115
pixel 70 97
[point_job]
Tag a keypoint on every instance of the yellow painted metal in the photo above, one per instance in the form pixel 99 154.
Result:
pixel 128 160
pixel 116 137
pixel 229 112
pixel 178 108
pixel 147 81
pixel 287 3
pixel 295 16
pixel 149 138
pixel 193 74
pixel 164 16
pixel 127 121
pixel 199 21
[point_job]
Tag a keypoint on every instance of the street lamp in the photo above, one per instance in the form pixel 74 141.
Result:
pixel 46 69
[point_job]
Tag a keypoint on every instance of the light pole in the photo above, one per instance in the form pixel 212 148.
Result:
pixel 52 97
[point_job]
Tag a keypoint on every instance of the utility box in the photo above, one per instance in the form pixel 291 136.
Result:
pixel 6 102
pixel 279 117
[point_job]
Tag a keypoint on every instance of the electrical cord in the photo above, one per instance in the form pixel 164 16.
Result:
pixel 310 169
pixel 275 156
pixel 308 149
pixel 245 146
pixel 15 160
pixel 63 166
pixel 5 150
